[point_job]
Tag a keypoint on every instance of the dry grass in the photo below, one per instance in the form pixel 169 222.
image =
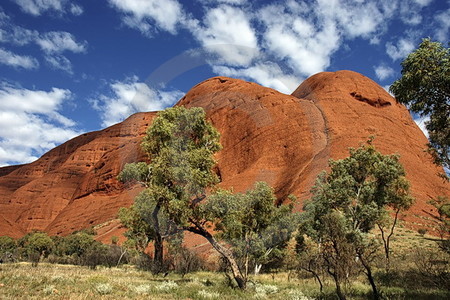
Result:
pixel 52 281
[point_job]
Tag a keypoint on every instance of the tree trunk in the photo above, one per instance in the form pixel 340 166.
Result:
pixel 257 268
pixel 339 292
pixel 226 253
pixel 376 294
pixel 387 239
pixel 158 257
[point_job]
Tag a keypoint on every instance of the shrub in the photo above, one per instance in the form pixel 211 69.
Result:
pixel 185 261
pixel 208 295
pixel 422 231
pixel 142 289
pixel 103 288
pixel 167 286
pixel 7 245
pixel 433 265
pixel 95 255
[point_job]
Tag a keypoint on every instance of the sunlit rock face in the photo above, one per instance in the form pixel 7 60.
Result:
pixel 285 140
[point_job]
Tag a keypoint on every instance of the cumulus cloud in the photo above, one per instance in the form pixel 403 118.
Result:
pixel 31 123
pixel 38 7
pixel 442 30
pixel 383 72
pixel 400 50
pixel 53 44
pixel 233 2
pixel 421 122
pixel 241 34
pixel 131 96
pixel 226 31
pixel 60 41
pixel 267 74
pixel 352 19
pixel 17 61
pixel 305 45
pixel 149 15
pixel 59 62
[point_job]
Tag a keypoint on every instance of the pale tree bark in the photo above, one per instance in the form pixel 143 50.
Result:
pixel 225 252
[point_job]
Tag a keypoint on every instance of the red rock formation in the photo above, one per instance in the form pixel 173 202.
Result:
pixel 285 140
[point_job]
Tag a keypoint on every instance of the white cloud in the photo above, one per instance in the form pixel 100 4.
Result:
pixel 17 61
pixel 267 74
pixel 60 41
pixel 442 31
pixel 305 45
pixel 383 72
pixel 354 19
pixel 232 2
pixel 226 31
pixel 59 62
pixel 401 50
pixel 38 7
pixel 31 124
pixel 131 96
pixel 144 15
pixel 423 2
pixel 420 121
pixel 76 10
pixel 52 44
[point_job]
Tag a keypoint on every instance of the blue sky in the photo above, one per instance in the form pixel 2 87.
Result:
pixel 68 67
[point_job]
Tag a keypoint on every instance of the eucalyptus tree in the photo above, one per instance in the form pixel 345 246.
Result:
pixel 348 202
pixel 425 88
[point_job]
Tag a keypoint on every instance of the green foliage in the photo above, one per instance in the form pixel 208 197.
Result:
pixel 7 245
pixel 76 244
pixel 442 205
pixel 255 228
pixel 139 231
pixel 37 242
pixel 181 144
pixel 135 172
pixel 360 188
pixel 425 88
pixel 348 202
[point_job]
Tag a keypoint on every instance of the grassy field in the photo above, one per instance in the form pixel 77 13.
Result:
pixel 53 281
pixel 50 281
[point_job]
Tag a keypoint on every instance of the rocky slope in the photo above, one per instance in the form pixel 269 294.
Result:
pixel 285 140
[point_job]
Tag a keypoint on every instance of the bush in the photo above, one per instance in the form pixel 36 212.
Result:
pixel 185 261
pixel 103 288
pixel 7 245
pixel 422 231
pixel 434 266
pixel 144 262
pixel 95 255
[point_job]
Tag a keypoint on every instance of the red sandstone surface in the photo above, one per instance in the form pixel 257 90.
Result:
pixel 285 140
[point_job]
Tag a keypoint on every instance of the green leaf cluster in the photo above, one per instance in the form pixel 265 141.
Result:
pixel 36 242
pixel 250 222
pixel 7 245
pixel 360 188
pixel 425 88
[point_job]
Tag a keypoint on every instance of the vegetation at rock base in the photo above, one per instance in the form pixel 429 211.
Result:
pixel 417 275
pixel 338 238
pixel 180 144
pixel 425 88
pixel 347 204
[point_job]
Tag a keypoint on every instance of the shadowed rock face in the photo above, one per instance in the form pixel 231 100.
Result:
pixel 285 140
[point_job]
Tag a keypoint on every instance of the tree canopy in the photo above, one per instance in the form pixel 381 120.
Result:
pixel 180 188
pixel 425 88
pixel 348 202
pixel 180 144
